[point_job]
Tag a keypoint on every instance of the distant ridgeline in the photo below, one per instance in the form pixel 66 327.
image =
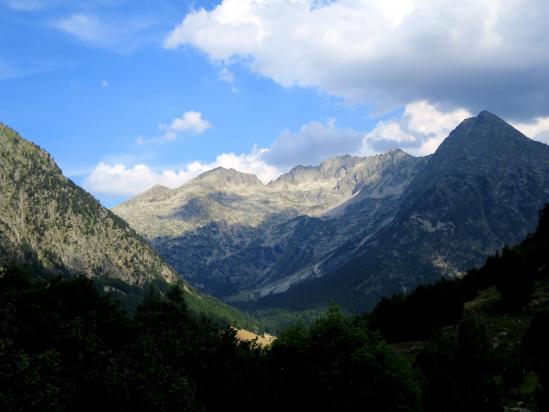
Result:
pixel 50 224
pixel 351 230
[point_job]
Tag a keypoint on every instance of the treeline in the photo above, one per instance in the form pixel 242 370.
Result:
pixel 65 347
pixel 459 364
pixel 513 272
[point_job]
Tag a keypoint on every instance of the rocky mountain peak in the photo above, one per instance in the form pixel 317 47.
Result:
pixel 14 148
pixel 221 175
pixel 355 227
pixel 482 131
pixel 485 141
pixel 396 152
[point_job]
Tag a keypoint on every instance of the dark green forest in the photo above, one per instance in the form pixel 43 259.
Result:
pixel 476 343
pixel 64 347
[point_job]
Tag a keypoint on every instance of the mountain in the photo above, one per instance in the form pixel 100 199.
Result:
pixel 46 218
pixel 48 221
pixel 352 229
pixel 232 235
pixel 479 191
pixel 490 326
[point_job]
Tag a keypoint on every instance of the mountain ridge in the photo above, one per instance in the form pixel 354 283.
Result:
pixel 49 223
pixel 265 220
pixel 48 215
pixel 356 229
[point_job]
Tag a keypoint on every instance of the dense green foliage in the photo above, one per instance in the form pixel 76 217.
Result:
pixel 338 365
pixel 485 336
pixel 536 345
pixel 471 344
pixel 514 272
pixel 413 317
pixel 476 346
pixel 65 347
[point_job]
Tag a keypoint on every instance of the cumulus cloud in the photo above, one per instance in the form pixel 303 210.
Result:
pixel 312 144
pixel 189 122
pixel 473 53
pixel 538 129
pixel 121 180
pixel 419 131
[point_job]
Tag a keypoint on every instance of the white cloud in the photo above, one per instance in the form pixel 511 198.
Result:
pixel 419 131
pixel 538 129
pixel 84 27
pixel 117 35
pixel 471 53
pixel 120 180
pixel 189 122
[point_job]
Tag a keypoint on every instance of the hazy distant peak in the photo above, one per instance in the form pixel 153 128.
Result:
pixel 157 190
pixel 349 168
pixel 393 154
pixel 229 176
pixel 332 165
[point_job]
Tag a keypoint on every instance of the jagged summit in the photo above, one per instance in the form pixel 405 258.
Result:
pixel 354 227
pixel 337 168
pixel 482 131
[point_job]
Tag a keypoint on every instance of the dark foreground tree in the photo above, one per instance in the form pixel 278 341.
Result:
pixel 339 365
pixel 64 347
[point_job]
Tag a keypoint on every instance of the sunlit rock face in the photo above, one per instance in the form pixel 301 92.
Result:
pixel 352 229
pixel 47 220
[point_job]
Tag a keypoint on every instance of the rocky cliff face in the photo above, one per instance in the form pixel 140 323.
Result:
pixel 239 239
pixel 351 229
pixel 482 189
pixel 47 220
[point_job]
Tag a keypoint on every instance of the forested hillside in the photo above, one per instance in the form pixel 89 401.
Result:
pixel 463 345
pixel 55 226
pixel 63 347
pixel 482 339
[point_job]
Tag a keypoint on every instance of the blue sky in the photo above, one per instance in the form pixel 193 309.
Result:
pixel 128 94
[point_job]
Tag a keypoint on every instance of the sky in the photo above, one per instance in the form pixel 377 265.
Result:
pixel 128 94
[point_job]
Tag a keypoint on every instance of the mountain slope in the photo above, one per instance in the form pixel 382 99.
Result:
pixel 351 229
pixel 480 190
pixel 46 218
pixel 499 311
pixel 235 237
pixel 48 221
